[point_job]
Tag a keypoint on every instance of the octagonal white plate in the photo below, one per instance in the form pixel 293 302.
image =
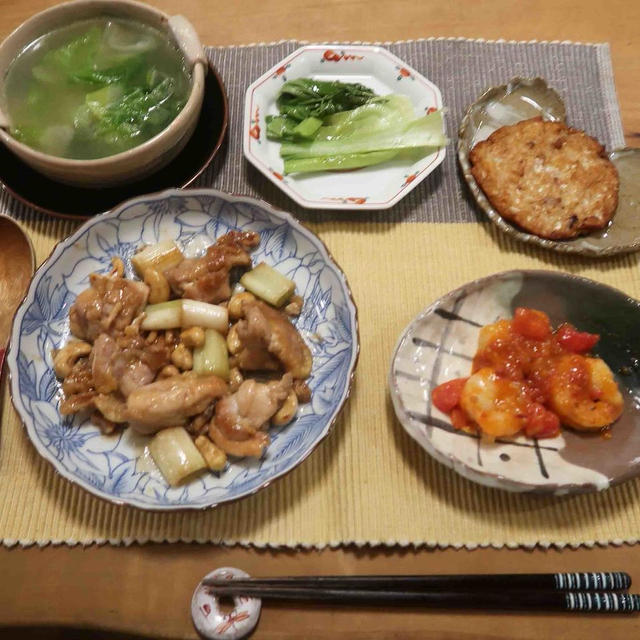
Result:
pixel 377 187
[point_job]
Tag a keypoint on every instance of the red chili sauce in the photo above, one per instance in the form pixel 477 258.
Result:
pixel 526 350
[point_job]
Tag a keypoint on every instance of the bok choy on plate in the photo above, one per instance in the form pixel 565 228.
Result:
pixel 318 133
pixel 344 127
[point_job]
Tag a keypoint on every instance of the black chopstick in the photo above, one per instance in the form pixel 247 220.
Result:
pixel 593 581
pixel 586 602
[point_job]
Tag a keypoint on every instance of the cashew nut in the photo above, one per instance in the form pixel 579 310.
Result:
pixel 286 412
pixel 193 337
pixel 168 371
pixel 235 379
pixel 294 308
pixel 181 356
pixel 117 267
pixel 235 304
pixel 215 457
pixel 158 286
pixel 65 358
pixel 233 341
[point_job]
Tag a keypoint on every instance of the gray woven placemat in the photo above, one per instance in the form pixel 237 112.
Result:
pixel 462 69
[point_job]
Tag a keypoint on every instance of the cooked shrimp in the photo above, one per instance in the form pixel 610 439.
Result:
pixel 500 330
pixel 584 393
pixel 496 404
pixel 495 346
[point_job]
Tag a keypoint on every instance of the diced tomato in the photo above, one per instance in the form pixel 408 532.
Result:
pixel 459 418
pixel 541 423
pixel 446 396
pixel 575 341
pixel 531 324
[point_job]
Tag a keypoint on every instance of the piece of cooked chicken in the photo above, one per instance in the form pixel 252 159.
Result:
pixel 107 306
pixel 240 418
pixel 207 278
pixel 170 402
pixel 78 388
pixel 126 362
pixel 267 338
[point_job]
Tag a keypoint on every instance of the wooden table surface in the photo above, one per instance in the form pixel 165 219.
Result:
pixel 146 590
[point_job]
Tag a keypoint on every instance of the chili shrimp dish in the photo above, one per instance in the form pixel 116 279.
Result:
pixel 525 381
pixel 191 366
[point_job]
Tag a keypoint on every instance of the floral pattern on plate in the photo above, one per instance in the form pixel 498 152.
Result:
pixel 116 467
pixel 382 185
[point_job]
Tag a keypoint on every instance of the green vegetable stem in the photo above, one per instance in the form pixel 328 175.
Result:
pixel 335 125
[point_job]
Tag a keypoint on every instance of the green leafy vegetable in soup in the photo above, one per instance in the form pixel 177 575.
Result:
pixel 95 88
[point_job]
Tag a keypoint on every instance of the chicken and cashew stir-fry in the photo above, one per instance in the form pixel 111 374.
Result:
pixel 186 355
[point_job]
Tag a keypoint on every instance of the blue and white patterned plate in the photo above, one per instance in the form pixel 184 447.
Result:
pixel 114 467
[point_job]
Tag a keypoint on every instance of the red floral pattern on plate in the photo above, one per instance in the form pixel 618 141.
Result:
pixel 409 179
pixel 403 72
pixel 348 200
pixel 280 71
pixel 331 56
pixel 254 130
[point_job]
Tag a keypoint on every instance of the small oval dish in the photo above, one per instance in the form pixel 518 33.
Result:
pixel 116 467
pixel 441 342
pixel 377 187
pixel 523 98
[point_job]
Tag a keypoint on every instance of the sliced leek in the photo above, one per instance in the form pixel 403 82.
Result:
pixel 268 284
pixel 175 455
pixel 202 314
pixel 185 313
pixel 164 315
pixel 160 256
pixel 212 358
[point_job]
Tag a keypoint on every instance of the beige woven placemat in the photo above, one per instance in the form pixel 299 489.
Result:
pixel 368 482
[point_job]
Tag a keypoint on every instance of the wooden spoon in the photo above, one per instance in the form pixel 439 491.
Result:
pixel 17 264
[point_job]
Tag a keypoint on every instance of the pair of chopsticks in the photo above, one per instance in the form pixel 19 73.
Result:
pixel 577 592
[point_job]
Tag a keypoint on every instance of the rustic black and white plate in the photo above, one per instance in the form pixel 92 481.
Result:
pixel 440 343
pixel 523 98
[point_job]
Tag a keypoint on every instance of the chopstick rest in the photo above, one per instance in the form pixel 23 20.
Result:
pixel 211 622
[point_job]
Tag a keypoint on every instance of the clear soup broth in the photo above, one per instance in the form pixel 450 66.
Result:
pixel 95 88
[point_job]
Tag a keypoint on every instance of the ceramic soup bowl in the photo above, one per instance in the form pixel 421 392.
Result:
pixel 139 161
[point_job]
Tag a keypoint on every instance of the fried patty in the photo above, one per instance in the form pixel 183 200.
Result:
pixel 549 179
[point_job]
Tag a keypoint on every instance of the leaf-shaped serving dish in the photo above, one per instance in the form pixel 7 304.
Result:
pixel 117 467
pixel 523 98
